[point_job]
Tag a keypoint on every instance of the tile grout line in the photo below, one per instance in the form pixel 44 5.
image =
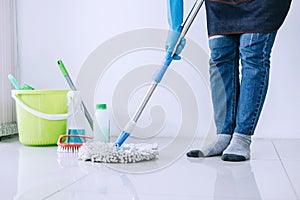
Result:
pixel 61 189
pixel 282 164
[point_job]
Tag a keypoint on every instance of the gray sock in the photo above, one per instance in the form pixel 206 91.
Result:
pixel 238 149
pixel 214 149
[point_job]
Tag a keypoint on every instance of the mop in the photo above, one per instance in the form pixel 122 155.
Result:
pixel 128 153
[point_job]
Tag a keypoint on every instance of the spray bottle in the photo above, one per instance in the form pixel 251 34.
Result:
pixel 75 124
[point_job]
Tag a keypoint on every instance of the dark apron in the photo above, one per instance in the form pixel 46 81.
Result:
pixel 245 16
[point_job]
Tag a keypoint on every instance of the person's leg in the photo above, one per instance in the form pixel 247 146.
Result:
pixel 255 51
pixel 224 82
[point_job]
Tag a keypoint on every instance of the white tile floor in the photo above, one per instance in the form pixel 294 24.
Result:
pixel 40 173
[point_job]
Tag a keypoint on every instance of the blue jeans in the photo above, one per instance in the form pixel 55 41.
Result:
pixel 238 100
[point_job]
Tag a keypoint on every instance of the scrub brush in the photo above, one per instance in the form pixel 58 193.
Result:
pixel 70 147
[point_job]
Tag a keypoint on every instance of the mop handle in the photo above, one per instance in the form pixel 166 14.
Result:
pixel 168 59
pixel 185 27
pixel 72 86
pixel 187 23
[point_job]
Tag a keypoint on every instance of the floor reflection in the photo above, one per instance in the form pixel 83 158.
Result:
pixel 233 179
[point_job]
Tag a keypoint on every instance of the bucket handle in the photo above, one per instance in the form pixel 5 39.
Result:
pixel 40 114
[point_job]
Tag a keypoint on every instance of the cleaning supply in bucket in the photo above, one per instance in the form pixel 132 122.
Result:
pixel 41 115
pixel 27 87
pixel 17 86
pixel 101 124
pixel 14 82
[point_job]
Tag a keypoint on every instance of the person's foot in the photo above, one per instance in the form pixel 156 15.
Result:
pixel 238 149
pixel 214 149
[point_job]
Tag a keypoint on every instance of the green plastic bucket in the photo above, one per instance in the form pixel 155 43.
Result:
pixel 41 115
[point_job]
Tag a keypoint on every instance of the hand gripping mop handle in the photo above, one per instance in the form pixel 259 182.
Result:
pixel 184 29
pixel 158 77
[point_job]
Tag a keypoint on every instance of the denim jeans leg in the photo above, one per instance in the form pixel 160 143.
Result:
pixel 255 50
pixel 224 80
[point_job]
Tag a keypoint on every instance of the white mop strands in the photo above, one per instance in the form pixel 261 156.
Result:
pixel 109 153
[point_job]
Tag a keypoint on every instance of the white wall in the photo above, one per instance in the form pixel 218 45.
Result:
pixel 281 113
pixel 70 30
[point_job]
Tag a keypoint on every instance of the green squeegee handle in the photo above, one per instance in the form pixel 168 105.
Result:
pixel 72 86
pixel 66 74
pixel 62 68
